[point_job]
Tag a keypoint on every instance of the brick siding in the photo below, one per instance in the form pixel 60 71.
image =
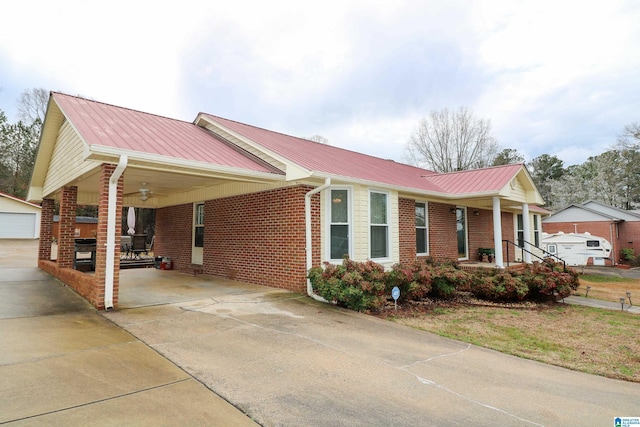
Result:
pixel 66 230
pixel 257 238
pixel 443 238
pixel 46 233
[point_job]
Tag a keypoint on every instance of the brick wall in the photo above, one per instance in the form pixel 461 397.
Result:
pixel 407 229
pixel 480 231
pixel 46 234
pixel 101 236
pixel 508 233
pixel 257 238
pixel 66 231
pixel 174 229
pixel 443 240
pixel 260 237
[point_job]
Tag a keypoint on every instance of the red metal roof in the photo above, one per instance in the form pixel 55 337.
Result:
pixel 476 180
pixel 330 160
pixel 121 128
pixel 336 161
pixel 116 127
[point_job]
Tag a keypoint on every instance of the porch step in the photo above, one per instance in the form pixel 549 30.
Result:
pixel 137 263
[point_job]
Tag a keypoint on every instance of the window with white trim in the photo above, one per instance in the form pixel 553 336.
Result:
pixel 422 232
pixel 198 226
pixel 339 224
pixel 520 230
pixel 536 230
pixel 379 224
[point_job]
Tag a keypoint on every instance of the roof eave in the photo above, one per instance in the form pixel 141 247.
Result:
pixel 159 162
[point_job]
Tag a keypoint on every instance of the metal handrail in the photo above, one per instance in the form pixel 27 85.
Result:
pixel 545 253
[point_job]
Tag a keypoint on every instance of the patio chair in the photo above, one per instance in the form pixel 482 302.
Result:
pixel 139 245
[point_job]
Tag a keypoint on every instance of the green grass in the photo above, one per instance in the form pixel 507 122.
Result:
pixel 592 340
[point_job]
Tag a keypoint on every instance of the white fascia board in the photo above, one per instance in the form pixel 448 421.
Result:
pixel 97 152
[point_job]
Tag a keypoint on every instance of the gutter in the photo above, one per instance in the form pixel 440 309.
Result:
pixel 111 231
pixel 308 240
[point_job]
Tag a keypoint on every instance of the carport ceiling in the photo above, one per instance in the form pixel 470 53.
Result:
pixel 159 182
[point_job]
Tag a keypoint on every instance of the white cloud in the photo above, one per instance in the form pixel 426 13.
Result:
pixel 550 75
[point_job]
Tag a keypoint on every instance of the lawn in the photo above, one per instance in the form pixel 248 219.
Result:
pixel 596 341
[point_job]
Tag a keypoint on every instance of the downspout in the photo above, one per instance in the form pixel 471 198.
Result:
pixel 111 231
pixel 308 239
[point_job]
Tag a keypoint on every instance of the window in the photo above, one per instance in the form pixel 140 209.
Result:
pixel 379 223
pixel 520 231
pixel 536 230
pixel 198 230
pixel 422 235
pixel 339 224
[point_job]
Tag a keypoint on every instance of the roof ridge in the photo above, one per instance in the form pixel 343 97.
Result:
pixel 121 108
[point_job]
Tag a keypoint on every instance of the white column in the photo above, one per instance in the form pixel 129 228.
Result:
pixel 526 228
pixel 497 233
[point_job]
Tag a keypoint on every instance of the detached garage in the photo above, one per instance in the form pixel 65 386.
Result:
pixel 18 219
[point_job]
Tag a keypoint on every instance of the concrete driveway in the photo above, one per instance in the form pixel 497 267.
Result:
pixel 62 363
pixel 281 358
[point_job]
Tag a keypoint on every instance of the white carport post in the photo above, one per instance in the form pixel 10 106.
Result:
pixel 497 232
pixel 111 231
pixel 526 230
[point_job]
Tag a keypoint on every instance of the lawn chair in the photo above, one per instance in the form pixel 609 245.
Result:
pixel 139 245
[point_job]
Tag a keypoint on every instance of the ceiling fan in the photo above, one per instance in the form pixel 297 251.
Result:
pixel 144 192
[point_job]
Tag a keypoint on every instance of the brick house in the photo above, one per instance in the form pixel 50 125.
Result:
pixel 621 228
pixel 255 205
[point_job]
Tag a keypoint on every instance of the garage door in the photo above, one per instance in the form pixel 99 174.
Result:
pixel 17 225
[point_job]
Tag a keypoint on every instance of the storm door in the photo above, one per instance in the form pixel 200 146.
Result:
pixel 461 227
pixel 198 234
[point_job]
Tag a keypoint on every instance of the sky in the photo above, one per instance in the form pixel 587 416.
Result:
pixel 558 77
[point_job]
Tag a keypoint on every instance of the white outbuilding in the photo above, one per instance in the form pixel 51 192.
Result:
pixel 18 219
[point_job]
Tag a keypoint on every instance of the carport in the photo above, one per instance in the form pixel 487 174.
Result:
pixel 87 156
pixel 143 287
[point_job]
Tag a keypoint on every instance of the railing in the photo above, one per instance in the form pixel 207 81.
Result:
pixel 544 253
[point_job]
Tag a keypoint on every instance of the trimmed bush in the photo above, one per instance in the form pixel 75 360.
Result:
pixel 359 286
pixel 365 286
pixel 414 280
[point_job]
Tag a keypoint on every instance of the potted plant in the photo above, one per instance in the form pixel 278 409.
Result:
pixel 488 252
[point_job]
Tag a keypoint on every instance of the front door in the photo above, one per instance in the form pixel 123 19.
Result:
pixel 461 225
pixel 198 234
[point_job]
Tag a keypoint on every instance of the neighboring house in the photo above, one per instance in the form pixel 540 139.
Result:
pixel 246 203
pixel 18 219
pixel 621 228
pixel 85 226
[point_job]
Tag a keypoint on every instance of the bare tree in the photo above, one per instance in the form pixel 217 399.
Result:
pixel 447 141
pixel 32 105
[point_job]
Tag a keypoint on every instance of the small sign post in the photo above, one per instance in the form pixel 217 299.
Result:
pixel 395 293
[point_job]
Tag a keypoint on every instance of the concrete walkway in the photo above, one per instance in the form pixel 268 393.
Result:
pixel 279 357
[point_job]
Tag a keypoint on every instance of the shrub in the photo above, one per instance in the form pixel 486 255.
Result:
pixel 414 280
pixel 447 279
pixel 499 286
pixel 548 280
pixel 359 286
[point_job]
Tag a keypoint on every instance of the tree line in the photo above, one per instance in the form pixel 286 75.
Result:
pixel 444 141
pixel 19 142
pixel 447 141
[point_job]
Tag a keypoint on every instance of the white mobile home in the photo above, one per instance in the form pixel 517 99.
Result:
pixel 577 248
